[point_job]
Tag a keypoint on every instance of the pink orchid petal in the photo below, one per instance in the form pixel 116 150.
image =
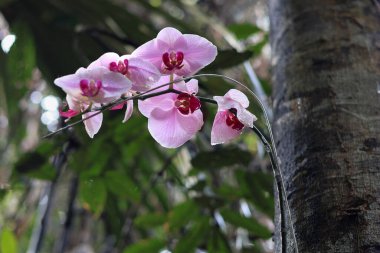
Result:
pixel 151 51
pixel 192 86
pixel 68 114
pixel 200 52
pixel 225 103
pixel 146 106
pixel 114 85
pixel 245 117
pixel 238 96
pixel 170 35
pixel 166 102
pixel 166 127
pixel 69 84
pixel 128 111
pixel 73 103
pixel 93 124
pixel 187 69
pixel 118 107
pixel 220 132
pixel 104 60
pixel 191 123
pixel 142 74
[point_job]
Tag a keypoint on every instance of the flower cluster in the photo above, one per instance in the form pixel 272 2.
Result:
pixel 174 117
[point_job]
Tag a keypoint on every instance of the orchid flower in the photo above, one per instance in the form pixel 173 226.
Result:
pixel 88 87
pixel 231 117
pixel 173 118
pixel 175 53
pixel 95 85
pixel 141 73
pixel 93 124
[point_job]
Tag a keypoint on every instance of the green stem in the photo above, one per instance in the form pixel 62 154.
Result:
pixel 171 80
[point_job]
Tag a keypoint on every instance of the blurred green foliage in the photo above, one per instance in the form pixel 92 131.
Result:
pixel 124 176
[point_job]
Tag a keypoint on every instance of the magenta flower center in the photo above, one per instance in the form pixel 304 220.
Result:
pixel 90 88
pixel 186 103
pixel 173 60
pixel 121 67
pixel 232 121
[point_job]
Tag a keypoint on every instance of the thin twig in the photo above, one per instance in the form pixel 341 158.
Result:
pixel 69 214
pixel 46 202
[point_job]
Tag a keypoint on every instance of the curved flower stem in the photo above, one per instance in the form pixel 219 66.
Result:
pixel 272 153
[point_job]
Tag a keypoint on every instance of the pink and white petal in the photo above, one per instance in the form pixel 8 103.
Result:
pixel 180 45
pixel 73 103
pixel 104 60
pixel 238 96
pixel 190 123
pixel 192 86
pixel 92 124
pixel 70 84
pixel 128 111
pixel 80 70
pixel 151 51
pixel 142 74
pixel 166 130
pixel 165 102
pixel 169 35
pixel 220 132
pixel 95 73
pixel 200 52
pixel 186 69
pixel 114 84
pixel 245 117
pixel 225 103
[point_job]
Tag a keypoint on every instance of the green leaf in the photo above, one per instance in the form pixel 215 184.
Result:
pixel 257 48
pixel 93 194
pixel 146 246
pixel 244 30
pixel 258 189
pixel 230 192
pixel 217 242
pixel 194 236
pixel 8 241
pixel 121 185
pixel 182 214
pixel 150 220
pixel 228 59
pixel 211 202
pixel 220 158
pixel 248 223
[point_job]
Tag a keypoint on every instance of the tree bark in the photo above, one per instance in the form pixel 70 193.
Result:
pixel 326 59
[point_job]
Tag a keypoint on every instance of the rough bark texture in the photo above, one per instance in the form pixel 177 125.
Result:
pixel 326 58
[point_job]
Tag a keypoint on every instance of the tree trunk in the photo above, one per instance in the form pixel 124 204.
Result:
pixel 326 59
